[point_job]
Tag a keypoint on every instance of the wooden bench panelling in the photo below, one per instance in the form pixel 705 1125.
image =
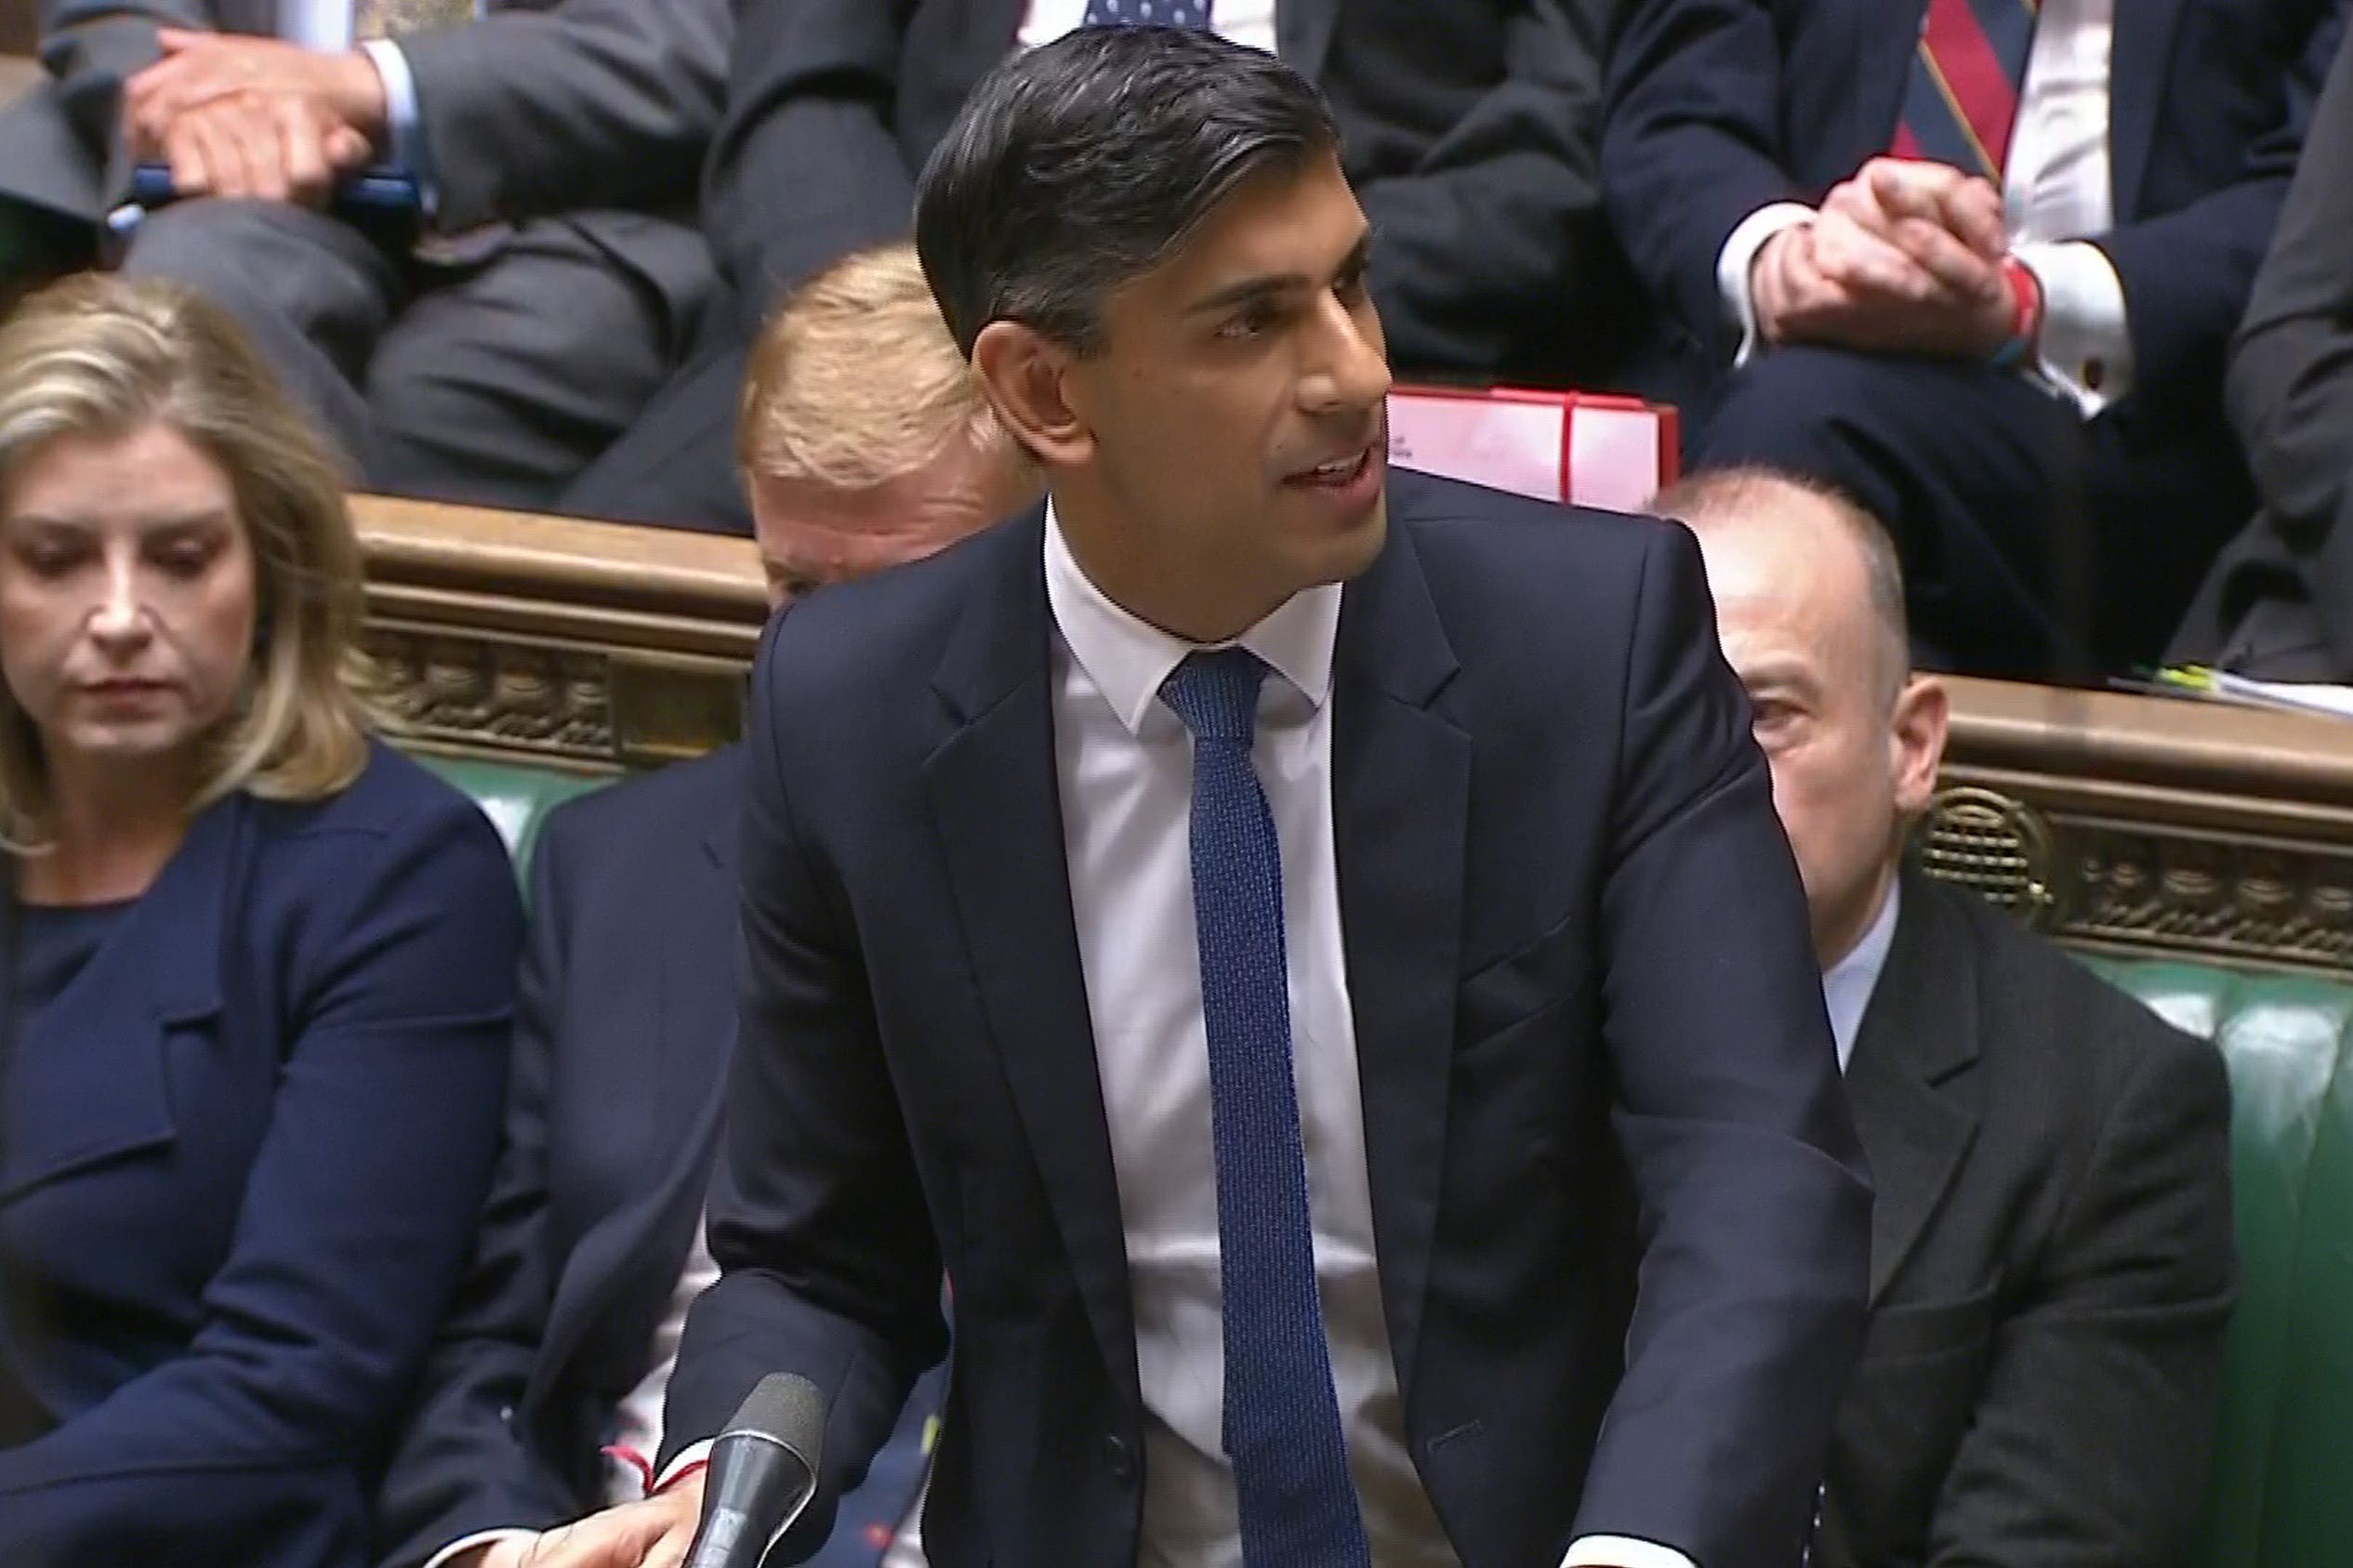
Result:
pixel 2115 821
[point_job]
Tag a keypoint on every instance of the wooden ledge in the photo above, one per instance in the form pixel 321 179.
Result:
pixel 2115 821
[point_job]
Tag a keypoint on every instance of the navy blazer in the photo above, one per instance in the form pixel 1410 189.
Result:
pixel 623 1024
pixel 1589 1024
pixel 1718 107
pixel 241 1160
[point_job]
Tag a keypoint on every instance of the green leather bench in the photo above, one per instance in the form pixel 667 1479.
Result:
pixel 2282 1491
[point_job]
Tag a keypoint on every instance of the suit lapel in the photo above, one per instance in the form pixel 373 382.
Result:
pixel 1915 1105
pixel 1302 34
pixel 997 801
pixel 90 1081
pixel 1401 784
pixel 2142 43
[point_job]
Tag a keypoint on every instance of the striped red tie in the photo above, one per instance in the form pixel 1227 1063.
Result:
pixel 1961 101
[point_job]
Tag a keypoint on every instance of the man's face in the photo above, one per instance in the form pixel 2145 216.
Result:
pixel 1234 426
pixel 1852 757
pixel 811 533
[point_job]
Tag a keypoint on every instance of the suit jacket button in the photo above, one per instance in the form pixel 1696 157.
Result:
pixel 1120 1456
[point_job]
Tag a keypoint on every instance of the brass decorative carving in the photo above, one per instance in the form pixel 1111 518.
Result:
pixel 1995 845
pixel 496 695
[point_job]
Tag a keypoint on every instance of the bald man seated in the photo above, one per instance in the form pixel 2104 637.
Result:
pixel 2052 1260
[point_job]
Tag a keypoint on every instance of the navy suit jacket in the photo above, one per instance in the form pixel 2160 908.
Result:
pixel 1718 107
pixel 239 1171
pixel 624 1020
pixel 1588 1025
pixel 624 1023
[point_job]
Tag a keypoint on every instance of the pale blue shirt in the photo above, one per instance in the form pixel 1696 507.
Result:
pixel 326 25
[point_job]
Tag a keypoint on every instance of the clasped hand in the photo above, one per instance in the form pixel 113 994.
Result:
pixel 1906 256
pixel 253 117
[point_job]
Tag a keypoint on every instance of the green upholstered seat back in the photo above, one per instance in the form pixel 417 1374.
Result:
pixel 2282 1494
pixel 516 797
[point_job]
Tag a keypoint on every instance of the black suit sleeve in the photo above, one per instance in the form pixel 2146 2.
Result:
pixel 1498 224
pixel 817 1220
pixel 2291 387
pixel 461 1466
pixel 1691 144
pixel 2093 1431
pixel 806 167
pixel 1755 1212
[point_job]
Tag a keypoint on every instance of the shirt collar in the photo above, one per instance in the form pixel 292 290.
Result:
pixel 1847 987
pixel 1128 658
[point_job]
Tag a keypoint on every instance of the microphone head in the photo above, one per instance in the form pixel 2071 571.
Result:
pixel 787 1409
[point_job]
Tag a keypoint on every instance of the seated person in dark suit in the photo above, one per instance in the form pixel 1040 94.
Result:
pixel 1469 132
pixel 1975 264
pixel 2052 1258
pixel 865 442
pixel 2278 604
pixel 561 275
pixel 258 977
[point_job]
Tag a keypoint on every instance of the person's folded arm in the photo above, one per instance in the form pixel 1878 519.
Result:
pixel 2094 1424
pixel 592 103
pixel 1690 147
pixel 91 47
pixel 462 1467
pixel 1754 1209
pixel 829 1267
pixel 806 166
pixel 2290 386
pixel 356 1218
pixel 1489 241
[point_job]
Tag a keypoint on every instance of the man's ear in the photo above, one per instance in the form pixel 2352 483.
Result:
pixel 1022 372
pixel 1916 740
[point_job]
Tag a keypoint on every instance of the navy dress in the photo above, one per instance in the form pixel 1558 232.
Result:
pixel 246 1122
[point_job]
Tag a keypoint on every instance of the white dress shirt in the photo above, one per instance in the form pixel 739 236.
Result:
pixel 1124 762
pixel 2057 194
pixel 1242 21
pixel 1847 984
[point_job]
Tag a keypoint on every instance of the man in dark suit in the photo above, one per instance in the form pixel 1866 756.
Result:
pixel 1469 128
pixel 1309 948
pixel 1975 265
pixel 2051 1253
pixel 592 1245
pixel 561 276
pixel 2279 603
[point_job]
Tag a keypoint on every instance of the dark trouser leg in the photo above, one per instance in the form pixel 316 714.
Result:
pixel 675 466
pixel 501 382
pixel 314 294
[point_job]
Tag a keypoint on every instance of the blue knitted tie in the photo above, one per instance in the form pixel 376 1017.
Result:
pixel 1146 13
pixel 1282 1419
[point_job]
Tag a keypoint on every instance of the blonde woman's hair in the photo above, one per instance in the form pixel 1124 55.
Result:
pixel 855 381
pixel 100 357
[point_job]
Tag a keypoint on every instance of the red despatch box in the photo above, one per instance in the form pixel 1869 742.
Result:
pixel 1590 448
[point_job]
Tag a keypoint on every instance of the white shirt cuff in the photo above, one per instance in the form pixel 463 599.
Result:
pixel 693 1453
pixel 1738 256
pixel 455 1555
pixel 1622 1551
pixel 404 130
pixel 2087 349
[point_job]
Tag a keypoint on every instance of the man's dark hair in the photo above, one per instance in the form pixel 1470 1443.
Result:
pixel 1076 166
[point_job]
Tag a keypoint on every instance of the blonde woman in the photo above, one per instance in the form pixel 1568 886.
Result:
pixel 256 974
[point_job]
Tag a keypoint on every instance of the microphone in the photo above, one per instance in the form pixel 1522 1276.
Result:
pixel 764 1472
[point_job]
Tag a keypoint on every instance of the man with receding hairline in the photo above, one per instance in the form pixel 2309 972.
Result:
pixel 2051 1256
pixel 864 444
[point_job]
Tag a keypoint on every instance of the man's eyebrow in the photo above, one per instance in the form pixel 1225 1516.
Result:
pixel 1272 285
